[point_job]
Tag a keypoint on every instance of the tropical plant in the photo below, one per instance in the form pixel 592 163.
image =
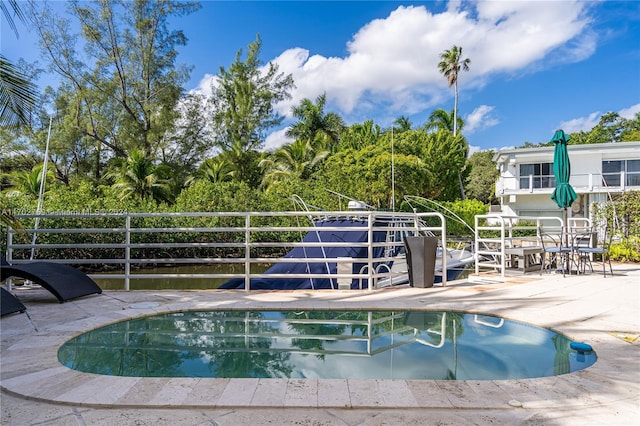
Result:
pixel 313 120
pixel 450 65
pixel 216 170
pixel 17 93
pixel 243 99
pixel 360 135
pixel 137 178
pixel 123 92
pixel 296 159
pixel 439 119
pixel 28 182
pixel 402 124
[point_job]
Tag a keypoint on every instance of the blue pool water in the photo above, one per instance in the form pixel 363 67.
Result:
pixel 325 344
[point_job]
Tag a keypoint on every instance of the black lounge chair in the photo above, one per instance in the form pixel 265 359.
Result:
pixel 63 281
pixel 9 304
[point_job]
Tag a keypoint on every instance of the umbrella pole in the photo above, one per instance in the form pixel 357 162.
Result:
pixel 567 260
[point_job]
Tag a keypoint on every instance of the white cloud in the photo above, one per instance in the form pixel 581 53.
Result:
pixel 587 123
pixel 276 139
pixel 580 123
pixel 479 119
pixel 473 149
pixel 391 64
pixel 630 112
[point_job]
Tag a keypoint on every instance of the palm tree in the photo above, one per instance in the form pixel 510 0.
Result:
pixel 440 119
pixel 313 120
pixel 17 94
pixel 28 182
pixel 137 178
pixel 217 169
pixel 359 135
pixel 450 66
pixel 297 159
pixel 402 124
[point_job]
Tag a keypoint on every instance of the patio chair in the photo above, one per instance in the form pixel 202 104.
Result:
pixel 581 238
pixel 554 254
pixel 588 254
pixel 9 304
pixel 63 281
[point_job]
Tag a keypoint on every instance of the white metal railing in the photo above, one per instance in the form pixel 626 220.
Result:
pixel 587 182
pixel 494 234
pixel 134 240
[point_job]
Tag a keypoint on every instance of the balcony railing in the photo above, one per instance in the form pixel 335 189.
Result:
pixel 591 182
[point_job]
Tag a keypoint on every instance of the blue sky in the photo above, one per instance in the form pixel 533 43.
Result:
pixel 535 66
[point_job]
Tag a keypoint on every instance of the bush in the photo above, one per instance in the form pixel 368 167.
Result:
pixel 622 214
pixel 627 250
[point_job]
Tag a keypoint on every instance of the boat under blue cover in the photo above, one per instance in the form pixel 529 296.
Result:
pixel 328 267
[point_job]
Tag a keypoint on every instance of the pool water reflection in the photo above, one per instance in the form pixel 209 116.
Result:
pixel 324 344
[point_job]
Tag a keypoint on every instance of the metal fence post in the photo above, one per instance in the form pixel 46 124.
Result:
pixel 127 252
pixel 247 252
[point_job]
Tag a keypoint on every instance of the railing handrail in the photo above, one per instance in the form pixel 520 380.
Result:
pixel 128 240
pixel 505 226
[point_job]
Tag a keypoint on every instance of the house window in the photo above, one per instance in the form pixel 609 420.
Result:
pixel 633 172
pixel 542 175
pixel 611 172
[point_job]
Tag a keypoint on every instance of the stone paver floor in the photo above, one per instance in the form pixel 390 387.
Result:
pixel 605 312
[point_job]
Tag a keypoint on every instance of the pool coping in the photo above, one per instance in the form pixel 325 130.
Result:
pixel 30 369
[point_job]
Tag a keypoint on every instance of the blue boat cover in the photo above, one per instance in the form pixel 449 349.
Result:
pixel 319 235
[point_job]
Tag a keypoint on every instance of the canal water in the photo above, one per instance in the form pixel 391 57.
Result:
pixel 183 283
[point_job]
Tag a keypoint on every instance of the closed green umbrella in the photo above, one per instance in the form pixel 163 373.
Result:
pixel 563 195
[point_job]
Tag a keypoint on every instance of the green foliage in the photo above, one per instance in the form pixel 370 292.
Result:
pixel 610 128
pixel 313 123
pixel 120 92
pixel 365 174
pixel 297 159
pixel 360 135
pixel 243 102
pixel 446 156
pixel 440 119
pixel 465 210
pixel 29 182
pixel 627 250
pixel 450 66
pixel 482 177
pixel 622 214
pixel 138 177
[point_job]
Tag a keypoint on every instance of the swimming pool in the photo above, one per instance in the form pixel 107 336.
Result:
pixel 325 344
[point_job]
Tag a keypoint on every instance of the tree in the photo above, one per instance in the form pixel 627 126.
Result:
pixel 313 120
pixel 450 66
pixel 446 155
pixel 297 159
pixel 242 101
pixel 191 139
pixel 365 173
pixel 402 124
pixel 216 170
pixel 360 135
pixel 482 177
pixel 17 93
pixel 610 128
pixel 124 90
pixel 439 119
pixel 137 177
pixel 28 182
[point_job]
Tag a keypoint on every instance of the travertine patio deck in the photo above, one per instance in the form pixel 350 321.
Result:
pixel 604 312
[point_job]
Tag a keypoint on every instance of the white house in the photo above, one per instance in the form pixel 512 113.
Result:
pixel 597 171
